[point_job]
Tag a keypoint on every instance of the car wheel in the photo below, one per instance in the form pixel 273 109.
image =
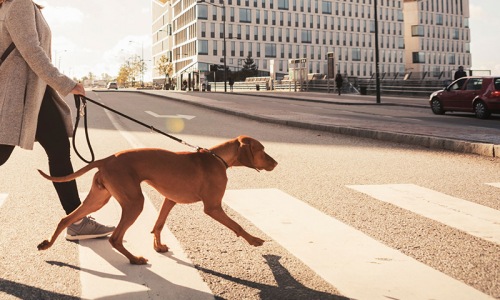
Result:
pixel 481 110
pixel 437 107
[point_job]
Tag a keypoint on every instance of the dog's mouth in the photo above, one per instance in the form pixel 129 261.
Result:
pixel 270 166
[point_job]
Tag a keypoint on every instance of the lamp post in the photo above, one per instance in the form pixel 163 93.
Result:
pixel 57 57
pixel 142 61
pixel 377 72
pixel 223 35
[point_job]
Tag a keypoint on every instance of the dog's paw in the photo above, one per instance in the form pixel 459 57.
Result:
pixel 161 248
pixel 44 245
pixel 138 260
pixel 255 241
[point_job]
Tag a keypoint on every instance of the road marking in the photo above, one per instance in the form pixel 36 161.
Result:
pixel 128 136
pixel 187 117
pixel 357 265
pixel 475 219
pixel 105 272
pixel 2 198
pixel 495 184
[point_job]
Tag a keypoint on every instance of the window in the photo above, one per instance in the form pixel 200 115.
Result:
pixel 401 43
pixel 270 50
pixel 203 29
pixel 418 57
pixel 202 12
pixel 245 15
pixel 451 58
pixel 326 7
pixel 202 47
pixel 356 54
pixel 306 36
pixel 283 4
pixel 417 30
pixel 439 19
pixel 474 84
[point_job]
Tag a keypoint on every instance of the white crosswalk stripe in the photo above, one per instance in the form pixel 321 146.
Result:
pixel 107 273
pixel 495 184
pixel 359 266
pixel 2 198
pixel 475 219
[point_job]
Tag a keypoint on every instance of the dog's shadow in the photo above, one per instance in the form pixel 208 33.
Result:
pixel 141 275
pixel 287 286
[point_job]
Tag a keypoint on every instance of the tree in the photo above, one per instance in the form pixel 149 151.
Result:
pixel 164 66
pixel 124 74
pixel 249 67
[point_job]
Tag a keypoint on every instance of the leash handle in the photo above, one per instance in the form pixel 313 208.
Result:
pixel 82 112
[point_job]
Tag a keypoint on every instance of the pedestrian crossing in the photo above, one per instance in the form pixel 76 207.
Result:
pixel 359 266
pixel 356 264
pixel 475 219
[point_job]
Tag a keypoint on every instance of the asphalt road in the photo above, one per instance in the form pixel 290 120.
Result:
pixel 396 119
pixel 335 175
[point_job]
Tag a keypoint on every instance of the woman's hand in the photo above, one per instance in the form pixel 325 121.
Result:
pixel 78 90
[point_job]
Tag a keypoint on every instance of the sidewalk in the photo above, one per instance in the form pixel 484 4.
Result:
pixel 465 141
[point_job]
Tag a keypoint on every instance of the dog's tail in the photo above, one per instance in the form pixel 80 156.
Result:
pixel 74 175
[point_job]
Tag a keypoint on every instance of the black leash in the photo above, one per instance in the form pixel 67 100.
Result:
pixel 82 112
pixel 81 105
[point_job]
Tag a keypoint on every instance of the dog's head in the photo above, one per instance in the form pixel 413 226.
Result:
pixel 251 154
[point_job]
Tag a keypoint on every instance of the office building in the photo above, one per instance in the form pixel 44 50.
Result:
pixel 424 35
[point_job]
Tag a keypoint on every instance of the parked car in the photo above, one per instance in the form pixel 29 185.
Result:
pixel 480 95
pixel 112 85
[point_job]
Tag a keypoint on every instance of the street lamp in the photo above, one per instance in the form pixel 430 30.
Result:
pixel 223 34
pixel 142 61
pixel 57 57
pixel 377 72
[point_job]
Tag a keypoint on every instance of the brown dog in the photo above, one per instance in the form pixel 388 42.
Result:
pixel 182 177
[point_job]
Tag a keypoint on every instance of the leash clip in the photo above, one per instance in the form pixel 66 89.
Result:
pixel 82 109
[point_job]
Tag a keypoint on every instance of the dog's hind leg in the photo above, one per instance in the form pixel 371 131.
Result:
pixel 131 209
pixel 96 199
pixel 160 222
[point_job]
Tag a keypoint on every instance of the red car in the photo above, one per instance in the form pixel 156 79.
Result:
pixel 480 95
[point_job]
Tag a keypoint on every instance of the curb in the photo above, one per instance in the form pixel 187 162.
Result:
pixel 439 143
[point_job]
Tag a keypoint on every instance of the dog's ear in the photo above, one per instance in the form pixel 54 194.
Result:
pixel 245 152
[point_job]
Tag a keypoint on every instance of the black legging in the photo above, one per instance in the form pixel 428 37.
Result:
pixel 52 136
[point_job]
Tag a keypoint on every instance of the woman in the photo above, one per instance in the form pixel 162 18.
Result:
pixel 31 107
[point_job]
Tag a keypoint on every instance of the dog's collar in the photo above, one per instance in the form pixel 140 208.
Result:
pixel 221 159
pixel 216 156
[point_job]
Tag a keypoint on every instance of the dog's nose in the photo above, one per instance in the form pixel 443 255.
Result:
pixel 272 164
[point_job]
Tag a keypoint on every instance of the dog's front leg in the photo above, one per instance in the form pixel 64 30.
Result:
pixel 220 215
pixel 160 222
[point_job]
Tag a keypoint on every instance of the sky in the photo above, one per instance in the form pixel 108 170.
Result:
pixel 98 35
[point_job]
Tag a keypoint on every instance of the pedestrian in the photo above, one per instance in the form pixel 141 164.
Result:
pixel 338 81
pixel 460 73
pixel 231 83
pixel 31 108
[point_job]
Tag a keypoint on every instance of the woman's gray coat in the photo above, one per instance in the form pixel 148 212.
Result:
pixel 26 72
